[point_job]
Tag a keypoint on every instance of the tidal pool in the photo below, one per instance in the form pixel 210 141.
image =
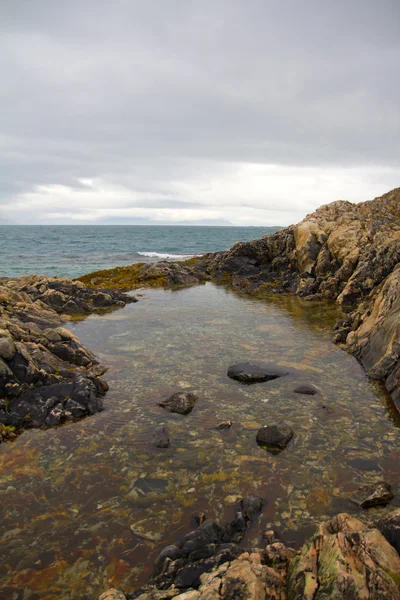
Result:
pixel 90 505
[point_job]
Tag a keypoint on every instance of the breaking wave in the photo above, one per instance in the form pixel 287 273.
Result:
pixel 167 255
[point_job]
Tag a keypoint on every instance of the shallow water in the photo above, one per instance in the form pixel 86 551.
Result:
pixel 90 505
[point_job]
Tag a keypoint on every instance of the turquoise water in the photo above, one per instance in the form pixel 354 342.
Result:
pixel 73 250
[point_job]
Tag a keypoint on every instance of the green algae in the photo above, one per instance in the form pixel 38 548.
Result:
pixel 122 278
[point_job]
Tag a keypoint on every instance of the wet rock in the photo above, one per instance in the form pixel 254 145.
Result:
pixel 53 404
pixel 254 373
pixel 72 308
pixel 56 416
pixel 161 438
pixel 306 389
pixel 171 552
pixel 251 506
pixel 46 375
pixel 389 527
pixel 274 436
pixel 102 300
pixel 211 529
pixel 7 348
pixel 345 559
pixel 204 548
pixel 189 575
pixel 224 425
pixel 195 541
pixel 376 494
pixel 180 402
pixel 74 409
pixel 54 299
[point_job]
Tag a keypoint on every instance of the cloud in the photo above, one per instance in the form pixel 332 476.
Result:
pixel 252 112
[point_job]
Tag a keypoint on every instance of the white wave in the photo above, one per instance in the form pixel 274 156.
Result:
pixel 166 255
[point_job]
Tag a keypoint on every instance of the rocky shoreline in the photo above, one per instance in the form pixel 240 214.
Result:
pixel 47 377
pixel 344 559
pixel 343 252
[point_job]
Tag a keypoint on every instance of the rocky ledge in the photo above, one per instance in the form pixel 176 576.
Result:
pixel 343 252
pixel 46 376
pixel 344 559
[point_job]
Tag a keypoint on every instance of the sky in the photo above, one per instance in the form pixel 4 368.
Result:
pixel 248 112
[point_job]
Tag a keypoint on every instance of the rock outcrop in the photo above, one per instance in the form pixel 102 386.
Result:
pixel 344 559
pixel 46 376
pixel 343 252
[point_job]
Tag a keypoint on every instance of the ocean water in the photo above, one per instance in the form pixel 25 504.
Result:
pixel 74 250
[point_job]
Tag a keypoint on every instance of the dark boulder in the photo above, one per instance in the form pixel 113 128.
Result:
pixel 274 437
pixel 254 373
pixel 375 494
pixel 194 540
pixel 306 389
pixel 56 416
pixel 212 529
pixel 189 575
pixel 172 552
pixel 180 402
pixel 204 548
pixel 51 405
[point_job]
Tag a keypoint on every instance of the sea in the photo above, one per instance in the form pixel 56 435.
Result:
pixel 74 250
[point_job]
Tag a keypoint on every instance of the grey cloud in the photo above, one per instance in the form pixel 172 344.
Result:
pixel 143 93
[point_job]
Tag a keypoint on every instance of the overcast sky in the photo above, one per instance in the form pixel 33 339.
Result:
pixel 253 112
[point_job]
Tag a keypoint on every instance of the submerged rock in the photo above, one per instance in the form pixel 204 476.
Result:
pixel 307 389
pixel 254 373
pixel 180 402
pixel 375 494
pixel 251 506
pixel 161 437
pixel 224 425
pixel 274 436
